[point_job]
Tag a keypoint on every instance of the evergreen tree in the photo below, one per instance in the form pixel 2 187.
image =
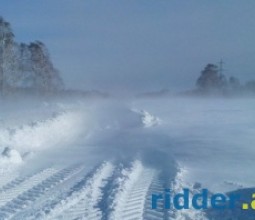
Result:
pixel 210 79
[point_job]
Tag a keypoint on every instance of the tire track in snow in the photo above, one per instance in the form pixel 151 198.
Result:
pixel 17 180
pixel 47 201
pixel 13 183
pixel 7 177
pixel 34 189
pixel 156 186
pixel 20 185
pixel 137 199
pixel 129 190
pixel 82 201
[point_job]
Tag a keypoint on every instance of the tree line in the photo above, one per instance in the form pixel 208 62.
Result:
pixel 25 67
pixel 212 81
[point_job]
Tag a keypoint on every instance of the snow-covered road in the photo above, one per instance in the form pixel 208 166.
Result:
pixel 103 159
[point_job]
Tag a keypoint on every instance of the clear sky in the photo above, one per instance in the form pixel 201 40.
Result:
pixel 138 45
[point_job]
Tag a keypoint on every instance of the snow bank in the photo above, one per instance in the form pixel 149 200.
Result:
pixel 10 156
pixel 59 130
pixel 148 120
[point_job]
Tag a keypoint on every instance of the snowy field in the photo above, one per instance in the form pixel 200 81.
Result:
pixel 102 159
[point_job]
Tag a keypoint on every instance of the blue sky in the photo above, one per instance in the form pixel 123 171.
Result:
pixel 138 45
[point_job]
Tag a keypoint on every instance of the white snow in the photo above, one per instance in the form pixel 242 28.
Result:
pixel 148 119
pixel 212 139
pixel 11 156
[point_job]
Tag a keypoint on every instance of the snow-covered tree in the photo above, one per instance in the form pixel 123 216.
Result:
pixel 46 77
pixel 7 58
pixel 25 66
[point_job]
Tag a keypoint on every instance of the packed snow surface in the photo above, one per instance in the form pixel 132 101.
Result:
pixel 102 159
